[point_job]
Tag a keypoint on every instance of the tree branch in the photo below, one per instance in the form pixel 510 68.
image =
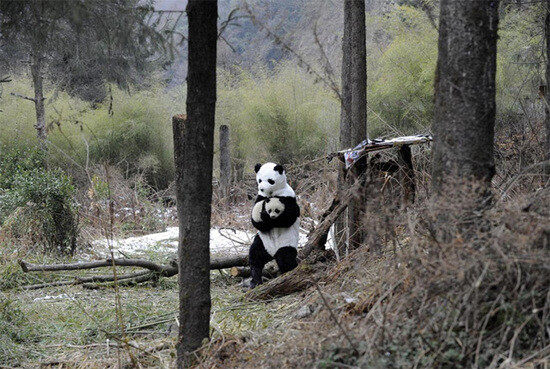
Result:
pixel 153 270
pixel 23 97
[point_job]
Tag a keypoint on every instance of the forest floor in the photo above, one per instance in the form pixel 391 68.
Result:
pixel 76 327
pixel 407 300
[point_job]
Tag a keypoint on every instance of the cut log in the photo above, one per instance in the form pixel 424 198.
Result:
pixel 244 272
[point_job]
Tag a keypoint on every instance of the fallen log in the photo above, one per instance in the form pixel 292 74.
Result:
pixel 284 285
pixel 154 270
pixel 298 279
pixel 244 272
pixel 215 263
pixel 85 280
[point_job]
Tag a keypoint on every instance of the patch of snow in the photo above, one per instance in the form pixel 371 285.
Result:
pixel 63 296
pixel 222 240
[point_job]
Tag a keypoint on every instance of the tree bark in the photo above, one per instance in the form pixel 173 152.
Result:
pixel 547 94
pixel 353 115
pixel 194 142
pixel 464 116
pixel 37 79
pixel 358 73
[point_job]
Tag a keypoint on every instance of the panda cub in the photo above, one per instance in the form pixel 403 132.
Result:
pixel 276 216
pixel 271 207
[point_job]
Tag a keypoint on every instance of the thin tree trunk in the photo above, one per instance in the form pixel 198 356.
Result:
pixel 225 162
pixel 464 116
pixel 37 79
pixel 194 148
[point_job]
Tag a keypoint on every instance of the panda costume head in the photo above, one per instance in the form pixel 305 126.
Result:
pixel 271 180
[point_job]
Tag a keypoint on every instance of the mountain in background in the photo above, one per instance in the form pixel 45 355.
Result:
pixel 264 33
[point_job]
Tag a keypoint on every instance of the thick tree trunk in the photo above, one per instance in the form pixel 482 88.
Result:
pixel 353 116
pixel 194 145
pixel 464 116
pixel 359 73
pixel 345 112
pixel 37 79
pixel 341 225
pixel 547 94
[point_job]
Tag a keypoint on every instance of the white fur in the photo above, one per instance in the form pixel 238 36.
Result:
pixel 279 188
pixel 257 211
pixel 281 237
pixel 276 238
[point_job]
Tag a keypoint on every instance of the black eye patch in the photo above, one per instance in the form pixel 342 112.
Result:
pixel 271 181
pixel 277 211
pixel 259 181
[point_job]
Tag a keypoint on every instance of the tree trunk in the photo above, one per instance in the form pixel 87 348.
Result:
pixel 353 116
pixel 194 146
pixel 37 79
pixel 358 73
pixel 225 162
pixel 464 116
pixel 547 94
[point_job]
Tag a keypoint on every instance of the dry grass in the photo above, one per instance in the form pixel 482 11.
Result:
pixel 479 299
pixel 415 297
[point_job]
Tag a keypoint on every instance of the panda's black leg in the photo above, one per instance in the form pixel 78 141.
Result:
pixel 286 258
pixel 257 258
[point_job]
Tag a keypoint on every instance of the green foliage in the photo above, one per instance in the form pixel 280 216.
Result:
pixel 281 115
pixel 36 203
pixel 134 133
pixel 520 61
pixel 401 75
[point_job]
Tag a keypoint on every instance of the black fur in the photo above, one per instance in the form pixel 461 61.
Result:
pixel 279 168
pixel 286 258
pixel 258 257
pixel 257 167
pixel 285 220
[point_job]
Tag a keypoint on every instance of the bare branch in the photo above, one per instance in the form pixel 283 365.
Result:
pixel 23 97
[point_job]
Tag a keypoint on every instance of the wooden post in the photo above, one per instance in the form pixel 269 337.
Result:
pixel 225 162
pixel 407 170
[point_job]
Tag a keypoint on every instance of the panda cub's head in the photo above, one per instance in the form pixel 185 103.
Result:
pixel 274 207
pixel 270 177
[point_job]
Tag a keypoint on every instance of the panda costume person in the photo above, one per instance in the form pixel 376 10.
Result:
pixel 276 216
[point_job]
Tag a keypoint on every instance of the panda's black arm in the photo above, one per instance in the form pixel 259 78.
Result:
pixel 266 224
pixel 289 215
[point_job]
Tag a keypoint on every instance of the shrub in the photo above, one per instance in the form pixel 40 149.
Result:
pixel 280 115
pixel 401 78
pixel 36 204
pixel 132 131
